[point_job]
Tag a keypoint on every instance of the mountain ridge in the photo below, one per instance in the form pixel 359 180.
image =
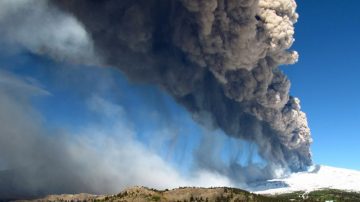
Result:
pixel 319 183
pixel 193 194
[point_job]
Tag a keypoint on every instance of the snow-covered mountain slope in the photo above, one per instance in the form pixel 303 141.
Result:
pixel 318 177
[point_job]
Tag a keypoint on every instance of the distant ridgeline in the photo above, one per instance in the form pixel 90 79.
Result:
pixel 189 194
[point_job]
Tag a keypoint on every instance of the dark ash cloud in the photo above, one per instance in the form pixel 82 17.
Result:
pixel 218 58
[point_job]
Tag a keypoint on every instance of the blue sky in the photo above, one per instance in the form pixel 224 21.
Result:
pixel 326 78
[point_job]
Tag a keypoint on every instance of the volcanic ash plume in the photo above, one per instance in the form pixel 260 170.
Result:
pixel 218 58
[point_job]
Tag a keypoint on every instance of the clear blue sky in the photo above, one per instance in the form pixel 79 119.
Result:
pixel 327 78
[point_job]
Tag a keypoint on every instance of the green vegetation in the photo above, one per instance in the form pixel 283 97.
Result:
pixel 321 196
pixel 155 198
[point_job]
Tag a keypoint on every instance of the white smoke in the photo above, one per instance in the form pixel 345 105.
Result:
pixel 40 28
pixel 37 160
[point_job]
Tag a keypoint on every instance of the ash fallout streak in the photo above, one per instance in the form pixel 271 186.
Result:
pixel 218 58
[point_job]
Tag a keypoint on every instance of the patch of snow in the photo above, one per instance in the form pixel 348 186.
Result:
pixel 317 177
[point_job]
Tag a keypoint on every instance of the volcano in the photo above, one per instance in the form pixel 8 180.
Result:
pixel 318 177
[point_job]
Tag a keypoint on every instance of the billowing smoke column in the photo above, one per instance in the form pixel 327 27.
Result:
pixel 218 58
